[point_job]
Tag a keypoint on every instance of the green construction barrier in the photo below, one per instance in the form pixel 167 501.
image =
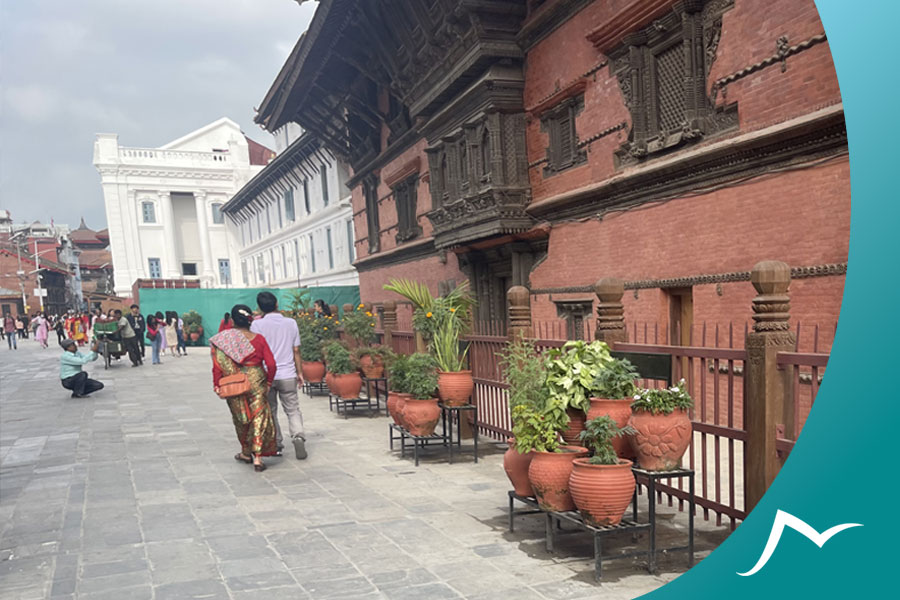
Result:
pixel 212 304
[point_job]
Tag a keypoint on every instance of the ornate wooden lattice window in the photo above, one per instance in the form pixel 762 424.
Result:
pixel 405 196
pixel 662 72
pixel 486 158
pixel 370 190
pixel 559 123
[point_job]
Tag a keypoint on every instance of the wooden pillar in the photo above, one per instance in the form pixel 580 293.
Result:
pixel 347 308
pixel 764 384
pixel 610 311
pixel 334 310
pixel 389 322
pixel 518 300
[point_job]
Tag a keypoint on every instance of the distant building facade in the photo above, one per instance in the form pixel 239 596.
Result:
pixel 293 220
pixel 164 205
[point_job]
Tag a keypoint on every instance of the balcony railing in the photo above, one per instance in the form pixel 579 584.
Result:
pixel 177 157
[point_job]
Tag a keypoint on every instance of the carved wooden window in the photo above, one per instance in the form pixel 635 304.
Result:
pixel 463 166
pixel 486 155
pixel 405 196
pixel 444 177
pixel 559 123
pixel 370 189
pixel 662 73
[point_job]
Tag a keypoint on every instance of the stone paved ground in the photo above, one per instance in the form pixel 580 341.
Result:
pixel 133 494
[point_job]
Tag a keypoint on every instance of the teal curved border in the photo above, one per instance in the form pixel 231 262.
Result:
pixel 842 469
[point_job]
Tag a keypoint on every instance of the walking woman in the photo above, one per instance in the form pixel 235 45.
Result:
pixel 155 336
pixel 225 323
pixel 238 350
pixel 43 328
pixel 172 332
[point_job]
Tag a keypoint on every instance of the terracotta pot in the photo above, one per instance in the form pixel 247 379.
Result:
pixel 661 439
pixel 372 366
pixel 455 387
pixel 329 381
pixel 347 385
pixel 401 404
pixel 195 336
pixel 576 426
pixel 516 467
pixel 393 405
pixel 601 492
pixel 549 476
pixel 421 416
pixel 620 411
pixel 313 371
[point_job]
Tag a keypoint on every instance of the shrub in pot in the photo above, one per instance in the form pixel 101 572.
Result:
pixel 372 360
pixel 662 426
pixel 398 370
pixel 602 486
pixel 421 411
pixel 524 371
pixel 312 364
pixel 613 390
pixel 359 326
pixel 193 324
pixel 571 371
pixel 346 381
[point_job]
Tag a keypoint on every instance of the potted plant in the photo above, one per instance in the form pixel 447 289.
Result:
pixel 346 381
pixel 312 364
pixel 398 370
pixel 421 411
pixel 662 426
pixel 571 371
pixel 602 486
pixel 193 324
pixel 613 390
pixel 372 360
pixel 537 431
pixel 524 371
pixel 359 325
pixel 441 322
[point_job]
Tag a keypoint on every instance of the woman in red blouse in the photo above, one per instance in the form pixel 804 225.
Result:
pixel 226 323
pixel 239 350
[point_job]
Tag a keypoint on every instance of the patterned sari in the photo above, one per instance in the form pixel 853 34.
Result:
pixel 251 415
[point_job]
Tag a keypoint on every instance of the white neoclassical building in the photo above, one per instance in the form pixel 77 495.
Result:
pixel 293 220
pixel 164 205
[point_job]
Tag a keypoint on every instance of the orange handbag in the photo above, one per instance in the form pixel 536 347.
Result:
pixel 231 386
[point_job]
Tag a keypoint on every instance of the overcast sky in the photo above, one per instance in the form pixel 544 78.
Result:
pixel 150 71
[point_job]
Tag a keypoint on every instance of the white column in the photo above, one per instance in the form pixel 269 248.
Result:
pixel 170 268
pixel 207 271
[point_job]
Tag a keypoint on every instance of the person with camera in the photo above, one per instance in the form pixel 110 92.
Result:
pixel 70 373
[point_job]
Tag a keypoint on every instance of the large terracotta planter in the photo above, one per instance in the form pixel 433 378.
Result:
pixel 313 371
pixel 549 476
pixel 329 381
pixel 395 404
pixel 576 425
pixel 601 492
pixel 516 467
pixel 372 366
pixel 455 388
pixel 421 416
pixel 620 411
pixel 660 440
pixel 194 336
pixel 347 385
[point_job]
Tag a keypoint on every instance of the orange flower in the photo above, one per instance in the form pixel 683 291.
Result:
pixel 368 314
pixel 452 309
pixel 325 328
pixel 371 324
pixel 428 314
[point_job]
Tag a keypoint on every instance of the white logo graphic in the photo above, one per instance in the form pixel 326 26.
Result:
pixel 782 520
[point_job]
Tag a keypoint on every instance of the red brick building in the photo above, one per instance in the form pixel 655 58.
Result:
pixel 551 143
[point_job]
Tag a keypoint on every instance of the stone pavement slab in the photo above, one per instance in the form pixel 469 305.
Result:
pixel 134 493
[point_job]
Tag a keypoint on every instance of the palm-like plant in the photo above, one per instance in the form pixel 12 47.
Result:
pixel 459 298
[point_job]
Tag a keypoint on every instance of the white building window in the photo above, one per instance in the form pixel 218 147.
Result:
pixel 289 205
pixel 269 218
pixel 244 273
pixel 260 269
pixel 297 256
pixel 330 250
pixel 272 263
pixel 224 271
pixel 324 173
pixel 258 226
pixel 284 262
pixel 148 209
pixel 306 196
pixel 312 254
pixel 351 247
pixel 217 217
pixel 155 269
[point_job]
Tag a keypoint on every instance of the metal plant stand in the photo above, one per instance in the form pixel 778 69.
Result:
pixel 649 479
pixel 380 387
pixel 319 388
pixel 450 415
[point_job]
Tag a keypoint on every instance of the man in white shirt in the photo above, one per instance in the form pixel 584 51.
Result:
pixel 283 338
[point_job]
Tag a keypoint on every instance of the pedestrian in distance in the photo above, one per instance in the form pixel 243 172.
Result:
pixel 9 330
pixel 137 322
pixel 283 338
pixel 42 329
pixel 155 336
pixel 70 374
pixel 225 323
pixel 179 324
pixel 59 326
pixel 129 338
pixel 161 324
pixel 20 327
pixel 240 354
pixel 172 333
pixel 322 309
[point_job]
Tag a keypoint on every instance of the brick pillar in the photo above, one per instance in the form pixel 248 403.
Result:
pixel 389 322
pixel 519 310
pixel 610 311
pixel 764 384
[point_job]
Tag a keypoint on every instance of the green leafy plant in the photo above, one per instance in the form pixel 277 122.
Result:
pixel 598 435
pixel 398 373
pixel 615 380
pixel 663 401
pixel 421 377
pixel 535 430
pixel 376 352
pixel 571 371
pixel 418 293
pixel 338 358
pixel 525 372
pixel 324 328
pixel 359 324
pixel 300 300
pixel 192 317
pixel 310 350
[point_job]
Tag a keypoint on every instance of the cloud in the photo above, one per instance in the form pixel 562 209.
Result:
pixel 34 103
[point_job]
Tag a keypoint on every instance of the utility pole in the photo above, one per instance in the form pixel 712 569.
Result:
pixel 20 274
pixel 37 266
